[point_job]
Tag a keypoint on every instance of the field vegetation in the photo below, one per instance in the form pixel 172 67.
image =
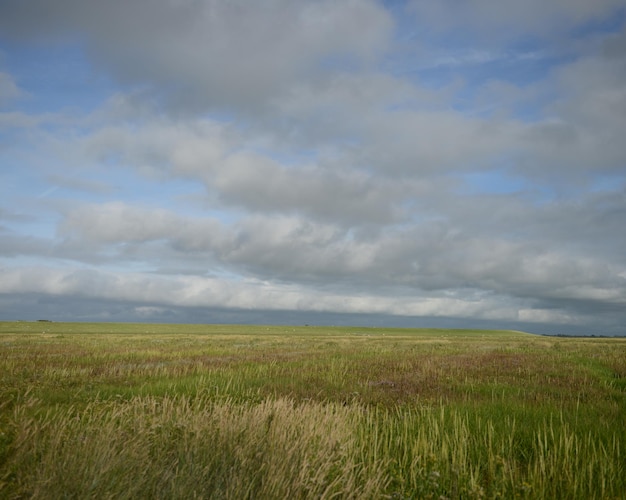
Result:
pixel 235 412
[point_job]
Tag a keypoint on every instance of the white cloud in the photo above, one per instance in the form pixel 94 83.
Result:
pixel 310 156
pixel 547 316
pixel 8 89
pixel 191 291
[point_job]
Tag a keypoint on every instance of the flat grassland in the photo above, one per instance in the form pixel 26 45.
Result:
pixel 222 411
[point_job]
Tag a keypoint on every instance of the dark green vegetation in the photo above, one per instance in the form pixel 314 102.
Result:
pixel 173 411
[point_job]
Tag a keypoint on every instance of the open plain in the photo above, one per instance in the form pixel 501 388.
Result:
pixel 105 410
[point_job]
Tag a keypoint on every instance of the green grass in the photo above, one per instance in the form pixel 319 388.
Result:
pixel 222 411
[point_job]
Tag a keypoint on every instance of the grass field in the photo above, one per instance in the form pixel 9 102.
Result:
pixel 213 411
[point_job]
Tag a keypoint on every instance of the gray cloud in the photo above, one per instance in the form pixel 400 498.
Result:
pixel 260 184
pixel 234 174
pixel 326 182
pixel 527 271
pixel 209 292
pixel 217 53
pixel 491 19
pixel 582 134
pixel 182 294
pixel 527 260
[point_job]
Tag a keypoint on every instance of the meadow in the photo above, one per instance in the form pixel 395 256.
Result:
pixel 137 411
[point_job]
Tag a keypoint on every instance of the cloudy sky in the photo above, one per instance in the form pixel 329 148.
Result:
pixel 414 163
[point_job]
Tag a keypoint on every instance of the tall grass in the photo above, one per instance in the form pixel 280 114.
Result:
pixel 276 412
pixel 181 447
pixel 450 453
pixel 177 447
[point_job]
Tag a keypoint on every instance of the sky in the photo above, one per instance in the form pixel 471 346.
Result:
pixel 399 163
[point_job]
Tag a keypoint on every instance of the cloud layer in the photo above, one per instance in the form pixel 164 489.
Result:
pixel 317 157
